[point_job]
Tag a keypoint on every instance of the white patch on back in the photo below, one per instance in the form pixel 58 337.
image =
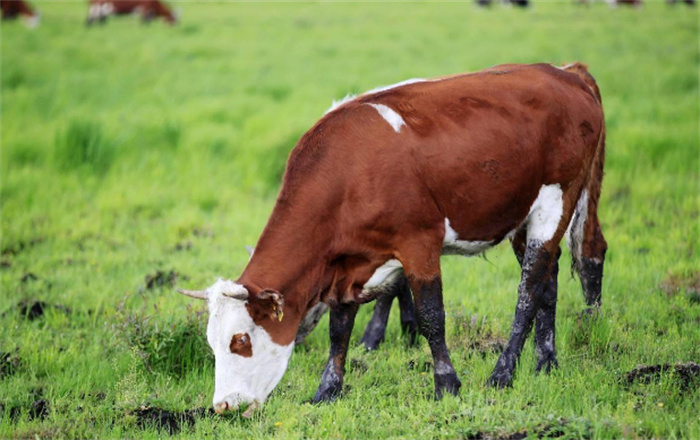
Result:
pixel 241 379
pixel 394 119
pixel 349 97
pixel 385 274
pixel 393 86
pixel 545 213
pixel 451 245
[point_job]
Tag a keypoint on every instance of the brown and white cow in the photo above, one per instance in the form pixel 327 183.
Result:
pixel 12 9
pixel 148 9
pixel 387 182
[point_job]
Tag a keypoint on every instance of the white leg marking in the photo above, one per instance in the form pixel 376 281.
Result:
pixel 545 213
pixel 451 245
pixel 394 119
pixel 574 233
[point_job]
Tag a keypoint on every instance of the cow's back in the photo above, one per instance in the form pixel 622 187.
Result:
pixel 473 148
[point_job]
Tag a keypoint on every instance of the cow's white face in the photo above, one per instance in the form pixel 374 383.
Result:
pixel 248 363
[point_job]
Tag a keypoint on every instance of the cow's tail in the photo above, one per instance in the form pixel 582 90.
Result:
pixel 585 237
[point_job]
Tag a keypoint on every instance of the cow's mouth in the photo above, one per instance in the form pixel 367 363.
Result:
pixel 224 406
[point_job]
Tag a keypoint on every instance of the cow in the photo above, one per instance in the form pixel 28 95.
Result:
pixel 12 9
pixel 387 182
pixel 148 9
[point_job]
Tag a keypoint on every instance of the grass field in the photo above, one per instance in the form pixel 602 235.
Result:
pixel 135 158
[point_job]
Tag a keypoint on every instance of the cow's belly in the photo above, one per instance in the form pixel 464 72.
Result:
pixel 386 274
pixel 452 245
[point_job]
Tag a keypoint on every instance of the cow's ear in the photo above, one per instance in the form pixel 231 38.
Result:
pixel 270 302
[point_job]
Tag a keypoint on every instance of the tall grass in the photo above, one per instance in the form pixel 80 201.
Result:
pixel 83 144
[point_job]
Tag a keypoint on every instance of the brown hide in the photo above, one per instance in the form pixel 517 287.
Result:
pixel 476 149
pixel 14 8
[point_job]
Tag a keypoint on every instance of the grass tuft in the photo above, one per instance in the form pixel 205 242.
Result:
pixel 83 144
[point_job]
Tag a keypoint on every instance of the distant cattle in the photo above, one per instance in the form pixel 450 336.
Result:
pixel 521 3
pixel 687 2
pixel 149 10
pixel 627 2
pixel 12 9
pixel 385 183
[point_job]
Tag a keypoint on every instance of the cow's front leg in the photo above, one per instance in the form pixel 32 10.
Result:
pixel 427 295
pixel 342 319
pixel 535 268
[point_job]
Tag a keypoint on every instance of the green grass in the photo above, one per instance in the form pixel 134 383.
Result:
pixel 130 149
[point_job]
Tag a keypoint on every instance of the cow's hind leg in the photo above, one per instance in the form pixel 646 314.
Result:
pixel 588 247
pixel 545 227
pixel 376 328
pixel 535 268
pixel 409 326
pixel 545 315
pixel 342 319
pixel 545 321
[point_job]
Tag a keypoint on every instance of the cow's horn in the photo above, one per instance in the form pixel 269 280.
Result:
pixel 198 294
pixel 237 295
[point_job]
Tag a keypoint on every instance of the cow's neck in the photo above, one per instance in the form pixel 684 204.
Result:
pixel 290 257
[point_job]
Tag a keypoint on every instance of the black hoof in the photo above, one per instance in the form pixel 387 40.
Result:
pixel 500 380
pixel 447 383
pixel 371 343
pixel 547 365
pixel 326 395
pixel 329 390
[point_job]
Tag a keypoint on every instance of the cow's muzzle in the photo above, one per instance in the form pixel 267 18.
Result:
pixel 232 402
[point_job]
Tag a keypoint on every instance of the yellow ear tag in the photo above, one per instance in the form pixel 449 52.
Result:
pixel 280 315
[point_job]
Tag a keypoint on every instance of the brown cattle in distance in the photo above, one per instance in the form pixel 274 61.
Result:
pixel 387 182
pixel 149 10
pixel 12 9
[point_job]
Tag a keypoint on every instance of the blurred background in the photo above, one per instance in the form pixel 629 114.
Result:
pixel 143 151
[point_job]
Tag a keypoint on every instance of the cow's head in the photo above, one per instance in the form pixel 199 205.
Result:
pixel 249 364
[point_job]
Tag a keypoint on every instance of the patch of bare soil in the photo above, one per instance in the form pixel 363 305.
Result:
pixel 673 284
pixel 9 363
pixel 35 309
pixel 475 333
pixel 162 278
pixel 27 277
pixel 553 429
pixel 687 374
pixel 358 366
pixel 38 409
pixel 171 422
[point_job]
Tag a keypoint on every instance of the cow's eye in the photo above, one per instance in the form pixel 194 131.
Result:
pixel 240 345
